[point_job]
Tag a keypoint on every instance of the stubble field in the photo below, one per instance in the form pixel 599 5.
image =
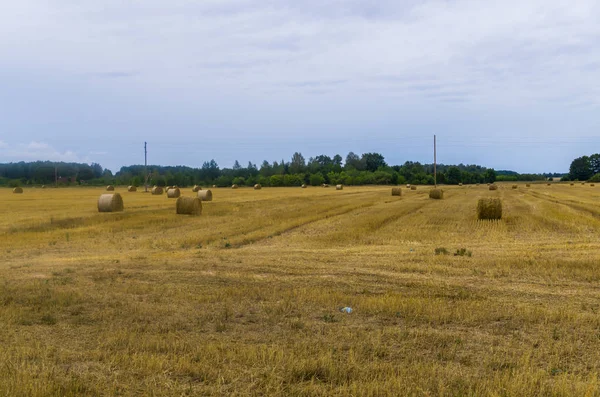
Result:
pixel 245 299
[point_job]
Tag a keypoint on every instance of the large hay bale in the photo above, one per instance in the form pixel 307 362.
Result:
pixel 489 208
pixel 339 187
pixel 205 195
pixel 396 191
pixel 188 205
pixel 110 202
pixel 18 190
pixel 436 194
pixel 413 187
pixel 234 186
pixel 303 186
pixel 493 187
pixel 257 186
pixel 131 189
pixel 156 190
pixel 110 188
pixel 173 193
pixel 514 186
pixel 196 188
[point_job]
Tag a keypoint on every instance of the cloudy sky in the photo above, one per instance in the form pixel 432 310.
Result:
pixel 510 85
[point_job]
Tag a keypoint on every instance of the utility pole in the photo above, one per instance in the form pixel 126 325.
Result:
pixel 145 167
pixel 434 163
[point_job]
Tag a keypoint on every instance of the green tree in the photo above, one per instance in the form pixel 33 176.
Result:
pixel 490 175
pixel 298 164
pixel 373 161
pixel 453 176
pixel 581 169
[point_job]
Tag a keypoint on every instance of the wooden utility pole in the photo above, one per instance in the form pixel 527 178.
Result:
pixel 434 163
pixel 146 167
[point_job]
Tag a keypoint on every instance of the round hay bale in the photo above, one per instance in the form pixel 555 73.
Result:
pixel 173 192
pixel 493 187
pixel 257 186
pixel 18 190
pixel 528 185
pixel 205 195
pixel 188 206
pixel 583 184
pixel 547 184
pixel 303 186
pixel 110 188
pixel 592 185
pixel 43 186
pixel 572 184
pixel 156 190
pixel 110 202
pixel 436 194
pixel 460 184
pixel 325 185
pixel 413 187
pixel 396 191
pixel 196 188
pixel 339 187
pixel 408 185
pixel 234 186
pixel 489 208
pixel 514 186
pixel 132 189
pixel 214 186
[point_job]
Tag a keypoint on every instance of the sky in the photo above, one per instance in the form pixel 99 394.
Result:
pixel 509 85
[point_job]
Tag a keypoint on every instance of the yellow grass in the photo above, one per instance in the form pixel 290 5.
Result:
pixel 244 300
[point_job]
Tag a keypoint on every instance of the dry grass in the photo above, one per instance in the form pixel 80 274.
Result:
pixel 245 299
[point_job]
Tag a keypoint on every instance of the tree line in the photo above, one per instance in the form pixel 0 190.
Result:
pixel 585 168
pixel 365 169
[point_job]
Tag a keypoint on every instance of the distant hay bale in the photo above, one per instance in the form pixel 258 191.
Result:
pixel 257 186
pixel 339 187
pixel 110 188
pixel 132 189
pixel 43 186
pixel 196 188
pixel 396 191
pixel 408 185
pixel 325 185
pixel 303 186
pixel 528 185
pixel 234 186
pixel 460 184
pixel 489 208
pixel 592 185
pixel 205 195
pixel 514 186
pixel 436 194
pixel 18 190
pixel 413 187
pixel 173 193
pixel 477 184
pixel 188 205
pixel 493 187
pixel 547 184
pixel 110 202
pixel 156 190
pixel 214 186
pixel 572 184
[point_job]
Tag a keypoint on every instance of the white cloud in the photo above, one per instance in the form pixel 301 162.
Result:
pixel 33 151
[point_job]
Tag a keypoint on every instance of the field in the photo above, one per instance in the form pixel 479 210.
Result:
pixel 245 299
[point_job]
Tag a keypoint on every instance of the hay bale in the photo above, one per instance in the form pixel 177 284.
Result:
pixel 214 186
pixel 583 183
pixel 460 184
pixel 110 202
pixel 528 185
pixel 325 185
pixel 514 186
pixel 156 190
pixel 205 195
pixel 188 206
pixel 592 185
pixel 173 193
pixel 489 208
pixel 110 188
pixel 408 185
pixel 572 184
pixel 413 187
pixel 493 187
pixel 396 191
pixel 131 189
pixel 196 188
pixel 436 194
pixel 18 190
pixel 43 186
pixel 234 186
pixel 303 186
pixel 547 184
pixel 257 186
pixel 339 187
